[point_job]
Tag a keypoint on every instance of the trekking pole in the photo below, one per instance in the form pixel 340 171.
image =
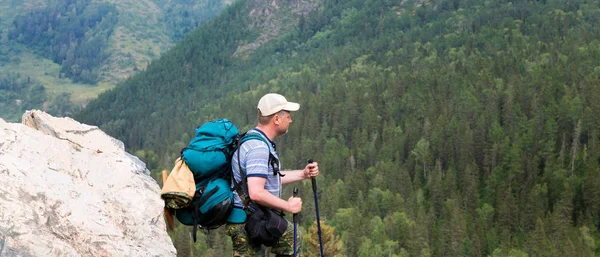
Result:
pixel 295 223
pixel 314 187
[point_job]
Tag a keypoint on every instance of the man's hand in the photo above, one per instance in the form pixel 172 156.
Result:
pixel 294 204
pixel 311 170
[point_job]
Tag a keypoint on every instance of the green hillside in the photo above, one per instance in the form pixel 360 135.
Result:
pixel 442 128
pixel 104 40
pixel 79 49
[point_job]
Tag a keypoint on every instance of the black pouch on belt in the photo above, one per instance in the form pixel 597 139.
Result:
pixel 265 226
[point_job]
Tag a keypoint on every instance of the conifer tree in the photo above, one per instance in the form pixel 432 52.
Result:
pixel 332 244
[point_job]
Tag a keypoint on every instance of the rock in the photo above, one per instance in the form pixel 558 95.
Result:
pixel 271 18
pixel 69 189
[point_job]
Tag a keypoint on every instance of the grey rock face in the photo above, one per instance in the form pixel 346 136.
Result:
pixel 68 189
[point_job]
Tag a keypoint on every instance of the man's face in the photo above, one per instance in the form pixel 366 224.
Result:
pixel 284 118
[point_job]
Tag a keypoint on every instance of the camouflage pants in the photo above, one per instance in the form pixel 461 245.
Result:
pixel 243 248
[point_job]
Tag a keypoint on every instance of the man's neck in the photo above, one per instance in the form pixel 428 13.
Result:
pixel 270 132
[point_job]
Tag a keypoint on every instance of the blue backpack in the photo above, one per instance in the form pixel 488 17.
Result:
pixel 208 156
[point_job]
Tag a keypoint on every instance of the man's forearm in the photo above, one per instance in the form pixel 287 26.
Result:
pixel 292 176
pixel 264 198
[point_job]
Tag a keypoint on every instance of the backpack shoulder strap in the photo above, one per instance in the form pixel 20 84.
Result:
pixel 273 161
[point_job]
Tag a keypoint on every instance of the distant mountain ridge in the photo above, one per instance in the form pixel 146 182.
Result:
pixel 124 34
pixel 56 55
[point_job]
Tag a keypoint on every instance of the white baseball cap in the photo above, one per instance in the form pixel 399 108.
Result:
pixel 272 103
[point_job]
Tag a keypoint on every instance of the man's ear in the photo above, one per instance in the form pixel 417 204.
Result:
pixel 276 119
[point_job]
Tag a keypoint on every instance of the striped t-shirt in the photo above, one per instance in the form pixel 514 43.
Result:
pixel 254 155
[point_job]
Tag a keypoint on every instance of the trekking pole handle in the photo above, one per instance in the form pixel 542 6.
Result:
pixel 312 180
pixel 295 214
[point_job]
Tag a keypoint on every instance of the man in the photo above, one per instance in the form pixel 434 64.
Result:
pixel 260 164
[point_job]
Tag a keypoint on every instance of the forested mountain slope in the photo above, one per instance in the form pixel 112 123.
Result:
pixel 442 128
pixel 69 51
pixel 105 40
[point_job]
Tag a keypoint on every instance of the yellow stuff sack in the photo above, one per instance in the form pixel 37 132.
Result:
pixel 178 191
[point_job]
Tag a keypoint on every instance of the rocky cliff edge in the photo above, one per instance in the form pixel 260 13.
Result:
pixel 69 189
